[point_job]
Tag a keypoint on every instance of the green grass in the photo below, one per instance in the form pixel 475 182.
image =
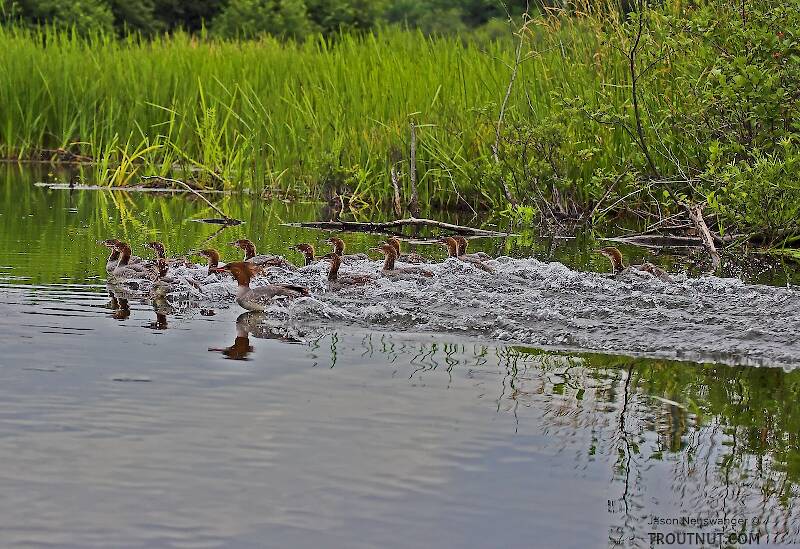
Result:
pixel 297 118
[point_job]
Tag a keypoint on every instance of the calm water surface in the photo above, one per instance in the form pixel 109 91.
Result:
pixel 402 416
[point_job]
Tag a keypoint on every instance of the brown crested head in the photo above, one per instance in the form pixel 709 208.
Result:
pixel 157 247
pixel 462 244
pixel 242 271
pixel 614 255
pixel 337 243
pixel 246 245
pixel 387 250
pixel 211 254
pixel 395 243
pixel 451 244
pixel 304 248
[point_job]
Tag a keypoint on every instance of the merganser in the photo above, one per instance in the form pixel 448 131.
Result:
pixel 405 258
pixel 618 266
pixel 213 258
pixel 346 279
pixel 452 249
pixel 307 250
pixel 264 260
pixel 257 299
pixel 113 259
pixel 161 253
pixel 339 247
pixel 125 270
pixel 462 249
pixel 390 255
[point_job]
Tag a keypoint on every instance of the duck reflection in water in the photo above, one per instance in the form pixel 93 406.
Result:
pixel 121 309
pixel 247 324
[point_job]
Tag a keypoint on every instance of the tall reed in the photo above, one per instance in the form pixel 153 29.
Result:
pixel 296 118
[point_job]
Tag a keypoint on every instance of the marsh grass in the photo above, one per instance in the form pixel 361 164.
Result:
pixel 306 119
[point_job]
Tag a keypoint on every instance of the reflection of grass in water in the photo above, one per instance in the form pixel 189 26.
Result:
pixel 757 408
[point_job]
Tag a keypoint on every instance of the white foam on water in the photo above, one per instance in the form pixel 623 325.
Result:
pixel 543 304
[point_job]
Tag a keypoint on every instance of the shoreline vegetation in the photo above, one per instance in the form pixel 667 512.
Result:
pixel 682 114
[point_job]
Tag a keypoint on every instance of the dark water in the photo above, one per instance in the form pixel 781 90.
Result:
pixel 403 415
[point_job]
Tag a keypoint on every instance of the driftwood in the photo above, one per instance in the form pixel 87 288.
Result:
pixel 359 226
pixel 696 215
pixel 225 218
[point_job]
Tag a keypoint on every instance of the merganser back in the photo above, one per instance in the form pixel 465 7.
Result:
pixel 406 258
pixel 452 251
pixel 389 269
pixel 265 260
pixel 258 299
pixel 462 249
pixel 618 266
pixel 124 270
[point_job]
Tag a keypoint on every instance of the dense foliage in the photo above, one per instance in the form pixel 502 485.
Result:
pixel 641 109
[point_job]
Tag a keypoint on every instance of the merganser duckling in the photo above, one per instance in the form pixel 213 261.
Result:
pixel 307 250
pixel 125 270
pixel 258 299
pixel 452 251
pixel 339 247
pixel 406 258
pixel 346 279
pixel 213 258
pixel 161 253
pixel 264 260
pixel 462 249
pixel 618 266
pixel 390 255
pixel 113 259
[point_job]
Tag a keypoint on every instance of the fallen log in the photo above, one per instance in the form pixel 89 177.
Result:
pixel 369 226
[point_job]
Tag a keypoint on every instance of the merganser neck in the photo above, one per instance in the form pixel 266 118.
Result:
pixel 125 254
pixel 336 262
pixel 615 257
pixel 158 248
pixel 390 256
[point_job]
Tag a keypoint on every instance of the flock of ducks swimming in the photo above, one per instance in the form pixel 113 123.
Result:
pixel 123 267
